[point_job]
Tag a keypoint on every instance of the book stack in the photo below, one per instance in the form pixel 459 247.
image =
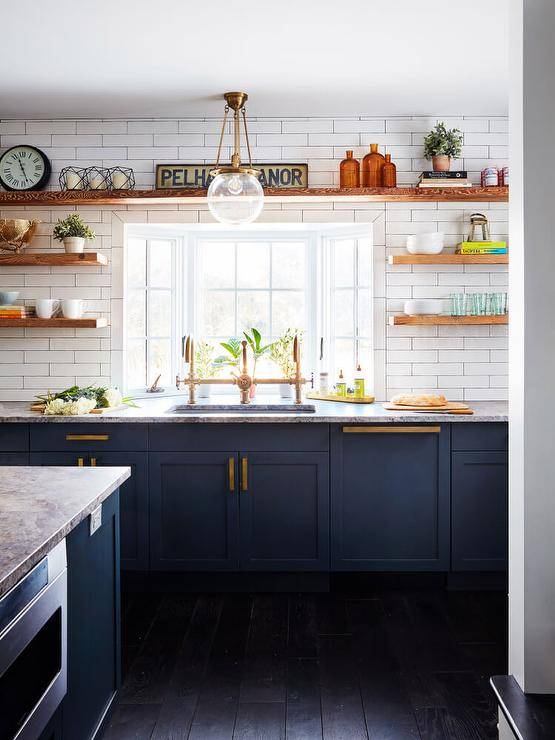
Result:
pixel 482 247
pixel 15 312
pixel 456 179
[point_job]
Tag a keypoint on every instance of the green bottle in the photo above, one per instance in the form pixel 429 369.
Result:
pixel 359 383
pixel 341 386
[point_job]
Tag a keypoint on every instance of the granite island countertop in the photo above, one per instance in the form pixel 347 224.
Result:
pixel 154 411
pixel 39 506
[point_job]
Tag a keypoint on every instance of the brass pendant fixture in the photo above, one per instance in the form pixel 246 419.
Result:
pixel 235 195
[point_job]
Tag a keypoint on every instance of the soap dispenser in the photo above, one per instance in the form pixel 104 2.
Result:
pixel 341 385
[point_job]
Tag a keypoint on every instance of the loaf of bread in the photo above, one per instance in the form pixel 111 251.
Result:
pixel 417 399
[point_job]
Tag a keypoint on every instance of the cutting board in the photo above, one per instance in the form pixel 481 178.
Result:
pixel 451 407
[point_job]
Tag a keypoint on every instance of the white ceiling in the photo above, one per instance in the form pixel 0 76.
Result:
pixel 139 58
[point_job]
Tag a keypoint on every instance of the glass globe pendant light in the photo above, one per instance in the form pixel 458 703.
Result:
pixel 235 195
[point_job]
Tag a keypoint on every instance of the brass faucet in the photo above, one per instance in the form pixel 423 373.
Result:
pixel 243 380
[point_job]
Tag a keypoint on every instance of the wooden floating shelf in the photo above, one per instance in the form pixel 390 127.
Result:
pixel 448 259
pixel 185 195
pixel 430 320
pixel 56 259
pixel 55 323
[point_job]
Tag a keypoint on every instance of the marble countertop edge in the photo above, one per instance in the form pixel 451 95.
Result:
pixel 13 566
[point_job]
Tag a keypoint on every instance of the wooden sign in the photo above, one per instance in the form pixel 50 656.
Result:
pixel 279 175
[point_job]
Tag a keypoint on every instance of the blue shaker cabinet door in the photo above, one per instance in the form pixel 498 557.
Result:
pixel 479 511
pixel 284 511
pixel 193 511
pixel 133 505
pixel 390 498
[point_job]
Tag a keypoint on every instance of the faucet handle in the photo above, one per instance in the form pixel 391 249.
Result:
pixel 296 349
pixel 186 348
pixel 245 364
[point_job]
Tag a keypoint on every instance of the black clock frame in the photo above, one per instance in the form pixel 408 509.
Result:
pixel 43 180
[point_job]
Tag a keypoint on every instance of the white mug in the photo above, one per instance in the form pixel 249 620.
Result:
pixel 46 307
pixel 72 308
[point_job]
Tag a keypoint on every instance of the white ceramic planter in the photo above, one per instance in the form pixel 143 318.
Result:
pixel 430 243
pixel 285 390
pixel 203 390
pixel 74 244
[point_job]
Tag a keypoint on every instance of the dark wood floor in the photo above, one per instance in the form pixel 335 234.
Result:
pixel 389 666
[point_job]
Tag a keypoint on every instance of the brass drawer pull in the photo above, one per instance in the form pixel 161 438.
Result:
pixel 87 437
pixel 80 462
pixel 244 474
pixel 392 430
pixel 231 473
pixel 93 462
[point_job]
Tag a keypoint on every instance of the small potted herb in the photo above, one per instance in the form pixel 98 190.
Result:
pixel 281 353
pixel 205 366
pixel 73 231
pixel 442 145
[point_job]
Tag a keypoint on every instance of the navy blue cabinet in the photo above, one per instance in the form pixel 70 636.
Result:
pixel 194 511
pixel 284 511
pixel 133 496
pixel 133 505
pixel 14 458
pixel 390 498
pixel 94 672
pixel 479 511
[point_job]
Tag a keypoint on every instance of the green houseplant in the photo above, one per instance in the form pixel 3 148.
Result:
pixel 442 145
pixel 205 365
pixel 72 231
pixel 281 353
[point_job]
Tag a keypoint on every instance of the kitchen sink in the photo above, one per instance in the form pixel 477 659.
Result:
pixel 235 408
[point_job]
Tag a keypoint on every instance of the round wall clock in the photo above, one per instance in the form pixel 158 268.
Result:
pixel 24 167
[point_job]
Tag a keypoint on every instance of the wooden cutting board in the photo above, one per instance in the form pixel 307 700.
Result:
pixel 451 407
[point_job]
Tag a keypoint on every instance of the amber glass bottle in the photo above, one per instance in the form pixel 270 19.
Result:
pixel 372 165
pixel 389 173
pixel 349 172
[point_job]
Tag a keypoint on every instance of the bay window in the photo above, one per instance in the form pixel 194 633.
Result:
pixel 216 285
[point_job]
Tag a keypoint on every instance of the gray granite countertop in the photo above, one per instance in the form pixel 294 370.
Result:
pixel 153 411
pixel 39 506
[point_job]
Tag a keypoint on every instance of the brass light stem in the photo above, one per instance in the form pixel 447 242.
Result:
pixel 235 101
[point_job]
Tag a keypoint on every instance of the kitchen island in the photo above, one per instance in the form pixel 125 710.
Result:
pixel 59 599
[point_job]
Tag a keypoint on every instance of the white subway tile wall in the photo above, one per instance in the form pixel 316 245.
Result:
pixel 464 362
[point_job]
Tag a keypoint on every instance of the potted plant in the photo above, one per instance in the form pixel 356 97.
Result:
pixel 441 145
pixel 258 350
pixel 73 231
pixel 281 353
pixel 205 366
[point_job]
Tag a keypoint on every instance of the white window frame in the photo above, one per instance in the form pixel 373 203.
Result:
pixel 185 289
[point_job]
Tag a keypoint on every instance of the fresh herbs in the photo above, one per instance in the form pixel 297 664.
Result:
pixel 281 352
pixel 443 141
pixel 81 400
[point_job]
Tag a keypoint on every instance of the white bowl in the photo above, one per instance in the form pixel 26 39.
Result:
pixel 421 306
pixel 431 243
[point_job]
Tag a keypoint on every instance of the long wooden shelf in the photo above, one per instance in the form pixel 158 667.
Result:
pixel 56 259
pixel 430 320
pixel 184 195
pixel 55 323
pixel 448 259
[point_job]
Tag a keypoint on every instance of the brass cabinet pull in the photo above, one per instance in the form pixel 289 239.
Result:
pixel 87 437
pixel 244 474
pixel 392 430
pixel 231 473
pixel 93 462
pixel 80 462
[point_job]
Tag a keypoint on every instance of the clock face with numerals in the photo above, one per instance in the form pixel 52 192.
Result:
pixel 24 168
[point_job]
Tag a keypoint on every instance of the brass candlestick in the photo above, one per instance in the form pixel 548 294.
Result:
pixel 244 381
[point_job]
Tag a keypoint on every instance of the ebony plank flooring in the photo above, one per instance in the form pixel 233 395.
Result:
pixel 392 665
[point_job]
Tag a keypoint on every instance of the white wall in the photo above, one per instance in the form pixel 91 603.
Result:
pixel 464 362
pixel 532 348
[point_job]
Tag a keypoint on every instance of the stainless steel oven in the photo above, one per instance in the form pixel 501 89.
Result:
pixel 33 648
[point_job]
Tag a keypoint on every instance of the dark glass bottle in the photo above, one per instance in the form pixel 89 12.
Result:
pixel 372 166
pixel 389 173
pixel 349 172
